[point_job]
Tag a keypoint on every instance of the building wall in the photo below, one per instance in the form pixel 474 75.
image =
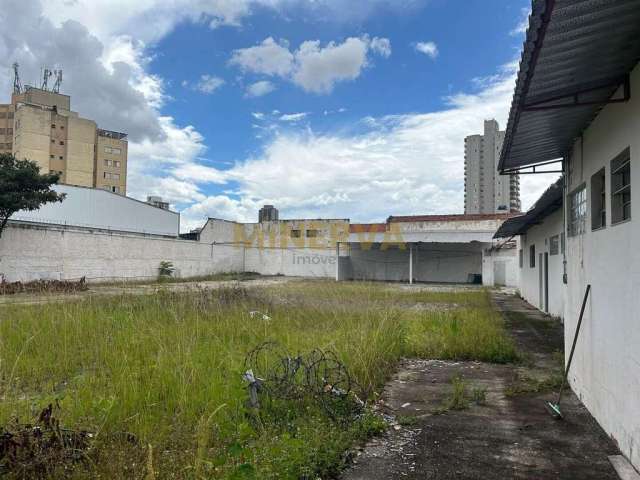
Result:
pixel 606 369
pixel 32 135
pixel 433 262
pixel 111 164
pixel 7 114
pixel 540 237
pixel 485 190
pixel 88 207
pixel 32 252
pixel 81 142
pixel 500 268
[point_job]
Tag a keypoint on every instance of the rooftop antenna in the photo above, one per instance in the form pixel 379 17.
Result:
pixel 17 85
pixel 45 78
pixel 58 82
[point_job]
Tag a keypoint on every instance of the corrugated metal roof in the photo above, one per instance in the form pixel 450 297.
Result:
pixel 572 46
pixel 548 203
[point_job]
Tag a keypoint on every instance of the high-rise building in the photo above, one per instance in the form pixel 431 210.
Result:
pixel 485 190
pixel 268 213
pixel 39 125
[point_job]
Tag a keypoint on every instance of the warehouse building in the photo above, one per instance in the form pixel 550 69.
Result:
pixel 577 106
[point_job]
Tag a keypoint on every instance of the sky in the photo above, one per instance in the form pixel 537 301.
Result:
pixel 323 108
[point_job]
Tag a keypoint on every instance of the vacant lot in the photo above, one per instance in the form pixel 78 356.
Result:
pixel 153 384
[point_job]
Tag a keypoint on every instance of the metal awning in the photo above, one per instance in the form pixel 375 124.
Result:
pixel 548 203
pixel 577 58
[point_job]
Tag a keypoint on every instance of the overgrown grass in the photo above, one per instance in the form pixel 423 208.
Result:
pixel 167 369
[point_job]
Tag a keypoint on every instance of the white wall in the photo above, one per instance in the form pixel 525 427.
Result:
pixel 504 258
pixel 539 235
pixel 433 262
pixel 606 369
pixel 30 253
pixel 90 207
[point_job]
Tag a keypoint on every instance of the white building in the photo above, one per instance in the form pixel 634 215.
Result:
pixel 486 191
pixel 577 102
pixel 541 251
pixel 101 209
pixel 425 248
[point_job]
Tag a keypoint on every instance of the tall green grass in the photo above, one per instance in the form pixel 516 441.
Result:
pixel 167 369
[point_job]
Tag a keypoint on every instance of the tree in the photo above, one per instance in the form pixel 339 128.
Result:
pixel 22 187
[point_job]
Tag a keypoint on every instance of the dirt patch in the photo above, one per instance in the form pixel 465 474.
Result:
pixel 503 436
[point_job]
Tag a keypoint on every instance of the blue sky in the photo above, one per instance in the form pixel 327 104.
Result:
pixel 325 108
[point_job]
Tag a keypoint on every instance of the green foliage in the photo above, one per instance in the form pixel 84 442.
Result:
pixel 479 395
pixel 166 269
pixel 167 369
pixel 22 187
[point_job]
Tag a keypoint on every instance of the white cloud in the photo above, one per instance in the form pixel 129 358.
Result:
pixel 268 58
pixel 312 67
pixel 294 117
pixel 258 89
pixel 523 24
pixel 382 46
pixel 208 84
pixel 402 164
pixel 258 115
pixel 430 49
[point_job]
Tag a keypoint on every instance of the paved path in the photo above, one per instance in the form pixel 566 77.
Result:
pixel 507 437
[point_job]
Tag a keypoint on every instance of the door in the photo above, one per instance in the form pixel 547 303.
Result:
pixel 540 282
pixel 546 282
pixel 500 274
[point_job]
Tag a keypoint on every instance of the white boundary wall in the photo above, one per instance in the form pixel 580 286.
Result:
pixel 539 235
pixel 504 260
pixel 606 369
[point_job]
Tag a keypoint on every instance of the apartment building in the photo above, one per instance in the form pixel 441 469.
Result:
pixel 486 191
pixel 39 125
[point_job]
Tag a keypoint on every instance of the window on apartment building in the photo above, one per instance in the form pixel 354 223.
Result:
pixel 532 256
pixel 51 157
pixel 598 201
pixel 61 142
pixel 116 163
pixel 3 114
pixel 61 157
pixel 577 211
pixel 621 187
pixel 312 233
pixel 3 131
pixel 53 125
pixel 9 131
pixel 53 140
pixel 106 187
pixel 554 245
pixel 296 233
pixel 106 175
pixel 61 127
pixel 107 149
pixel 115 189
pixel 107 163
pixel 116 151
pixel 115 176
pixel 521 257
pixel 10 115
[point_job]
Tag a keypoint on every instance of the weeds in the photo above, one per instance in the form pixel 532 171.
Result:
pixel 161 366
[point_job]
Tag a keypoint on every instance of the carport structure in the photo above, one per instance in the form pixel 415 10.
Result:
pixel 422 248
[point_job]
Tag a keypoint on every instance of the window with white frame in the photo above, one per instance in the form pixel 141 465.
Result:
pixel 554 245
pixel 577 211
pixel 621 187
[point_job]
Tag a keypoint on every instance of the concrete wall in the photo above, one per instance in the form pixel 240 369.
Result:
pixel 606 369
pixel 81 140
pixel 32 135
pixel 30 253
pixel 291 262
pixel 448 263
pixel 500 268
pixel 89 207
pixel 530 289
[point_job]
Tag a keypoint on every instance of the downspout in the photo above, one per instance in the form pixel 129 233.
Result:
pixel 565 233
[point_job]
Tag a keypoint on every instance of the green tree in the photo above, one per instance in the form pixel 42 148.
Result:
pixel 22 187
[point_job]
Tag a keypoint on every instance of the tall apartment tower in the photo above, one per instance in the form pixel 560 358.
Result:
pixel 486 191
pixel 39 125
pixel 268 213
